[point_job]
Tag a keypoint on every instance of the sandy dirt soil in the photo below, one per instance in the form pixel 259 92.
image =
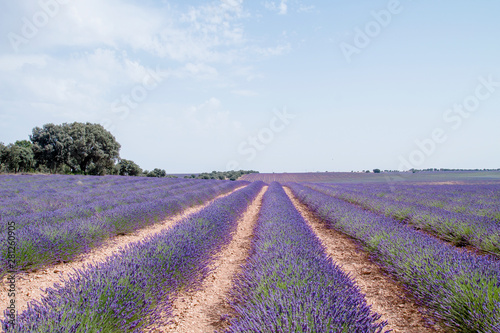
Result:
pixel 204 309
pixel 31 285
pixel 385 296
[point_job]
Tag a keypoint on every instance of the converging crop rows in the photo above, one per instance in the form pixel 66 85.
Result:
pixel 462 288
pixel 59 217
pixel 287 281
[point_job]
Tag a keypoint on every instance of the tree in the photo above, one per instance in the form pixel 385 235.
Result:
pixel 18 157
pixel 128 168
pixel 84 148
pixel 222 175
pixel 157 173
pixel 2 164
pixel 91 144
pixel 50 146
pixel 376 170
pixel 24 143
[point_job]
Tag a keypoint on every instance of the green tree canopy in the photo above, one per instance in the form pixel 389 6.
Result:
pixel 50 145
pixel 157 173
pixel 83 147
pixel 222 175
pixel 91 144
pixel 24 143
pixel 128 168
pixel 17 157
pixel 2 148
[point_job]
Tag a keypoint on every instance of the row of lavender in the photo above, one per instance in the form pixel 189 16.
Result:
pixel 59 235
pixel 130 289
pixel 21 195
pixel 290 285
pixel 478 199
pixel 461 288
pixel 459 228
pixel 472 199
pixel 87 204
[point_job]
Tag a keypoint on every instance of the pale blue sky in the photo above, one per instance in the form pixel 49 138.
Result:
pixel 268 85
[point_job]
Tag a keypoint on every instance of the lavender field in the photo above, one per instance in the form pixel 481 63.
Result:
pixel 55 218
pixel 463 215
pixel 463 288
pixel 289 284
pixel 439 243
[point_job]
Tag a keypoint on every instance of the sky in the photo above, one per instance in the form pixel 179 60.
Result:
pixel 272 85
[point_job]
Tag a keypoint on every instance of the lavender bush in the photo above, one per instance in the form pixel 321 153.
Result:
pixel 460 287
pixel 90 213
pixel 290 285
pixel 460 228
pixel 126 291
pixel 473 199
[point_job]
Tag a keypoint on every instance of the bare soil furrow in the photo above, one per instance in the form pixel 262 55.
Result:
pixel 204 309
pixel 31 285
pixel 386 296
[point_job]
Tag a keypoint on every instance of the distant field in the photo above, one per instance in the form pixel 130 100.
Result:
pixel 358 177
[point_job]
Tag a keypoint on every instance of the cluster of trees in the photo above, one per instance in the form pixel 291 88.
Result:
pixel 222 175
pixel 17 157
pixel 157 173
pixel 77 148
pixel 80 148
pixel 130 168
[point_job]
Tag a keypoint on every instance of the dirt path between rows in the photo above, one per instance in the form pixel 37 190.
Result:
pixel 385 296
pixel 204 310
pixel 31 285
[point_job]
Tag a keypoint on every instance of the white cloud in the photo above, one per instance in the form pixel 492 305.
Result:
pixel 198 39
pixel 113 23
pixel 13 63
pixel 84 82
pixel 205 32
pixel 281 7
pixel 201 70
pixel 306 8
pixel 209 116
pixel 270 5
pixel 249 73
pixel 93 53
pixel 274 51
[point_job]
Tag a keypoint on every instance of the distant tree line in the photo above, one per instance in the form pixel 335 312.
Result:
pixel 426 170
pixel 76 148
pixel 222 175
pixel 442 169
